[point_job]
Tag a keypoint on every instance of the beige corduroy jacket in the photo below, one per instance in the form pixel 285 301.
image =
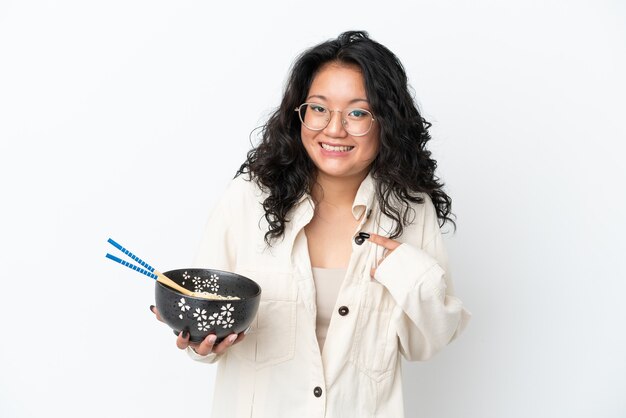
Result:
pixel 408 310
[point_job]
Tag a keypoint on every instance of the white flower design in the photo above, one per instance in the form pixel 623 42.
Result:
pixel 203 326
pixel 200 284
pixel 228 322
pixel 183 305
pixel 213 284
pixel 200 314
pixel 215 319
pixel 227 309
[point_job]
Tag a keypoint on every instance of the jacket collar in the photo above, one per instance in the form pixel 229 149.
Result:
pixel 363 201
pixel 364 197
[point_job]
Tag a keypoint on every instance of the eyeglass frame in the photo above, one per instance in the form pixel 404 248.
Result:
pixel 343 120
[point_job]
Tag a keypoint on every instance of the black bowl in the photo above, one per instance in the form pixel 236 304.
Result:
pixel 201 317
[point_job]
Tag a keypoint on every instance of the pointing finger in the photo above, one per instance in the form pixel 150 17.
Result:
pixel 385 242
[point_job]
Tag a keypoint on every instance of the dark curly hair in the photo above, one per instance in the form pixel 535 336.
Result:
pixel 403 167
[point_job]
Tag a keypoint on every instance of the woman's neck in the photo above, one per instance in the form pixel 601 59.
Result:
pixel 337 192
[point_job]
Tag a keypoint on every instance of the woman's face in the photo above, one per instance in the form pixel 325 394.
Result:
pixel 335 152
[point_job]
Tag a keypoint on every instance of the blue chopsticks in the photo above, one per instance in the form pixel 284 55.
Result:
pixel 149 270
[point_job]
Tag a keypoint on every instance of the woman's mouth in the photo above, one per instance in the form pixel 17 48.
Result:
pixel 334 148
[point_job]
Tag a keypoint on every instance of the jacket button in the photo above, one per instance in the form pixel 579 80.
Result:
pixel 361 237
pixel 343 311
pixel 317 391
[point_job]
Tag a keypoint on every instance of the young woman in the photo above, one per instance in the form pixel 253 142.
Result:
pixel 337 215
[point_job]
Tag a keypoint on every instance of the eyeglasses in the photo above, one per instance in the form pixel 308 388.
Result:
pixel 316 117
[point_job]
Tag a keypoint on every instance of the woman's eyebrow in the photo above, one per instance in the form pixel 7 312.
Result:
pixel 319 96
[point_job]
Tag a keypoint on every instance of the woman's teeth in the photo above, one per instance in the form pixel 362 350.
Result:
pixel 332 148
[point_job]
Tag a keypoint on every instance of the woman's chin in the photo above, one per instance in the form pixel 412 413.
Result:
pixel 346 173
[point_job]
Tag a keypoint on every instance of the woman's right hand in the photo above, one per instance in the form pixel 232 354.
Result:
pixel 207 346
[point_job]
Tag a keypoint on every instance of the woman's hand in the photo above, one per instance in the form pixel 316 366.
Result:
pixel 387 243
pixel 207 346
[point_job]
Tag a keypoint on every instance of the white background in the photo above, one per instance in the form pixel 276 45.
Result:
pixel 126 119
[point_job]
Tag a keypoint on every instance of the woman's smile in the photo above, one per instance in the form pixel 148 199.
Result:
pixel 333 149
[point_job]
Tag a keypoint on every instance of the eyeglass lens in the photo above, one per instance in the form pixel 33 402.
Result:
pixel 317 117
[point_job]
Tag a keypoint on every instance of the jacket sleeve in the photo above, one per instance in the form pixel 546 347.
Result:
pixel 430 316
pixel 217 247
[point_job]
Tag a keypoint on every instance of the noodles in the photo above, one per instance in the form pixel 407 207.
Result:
pixel 214 296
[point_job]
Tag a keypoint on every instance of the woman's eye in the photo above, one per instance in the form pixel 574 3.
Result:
pixel 357 113
pixel 317 108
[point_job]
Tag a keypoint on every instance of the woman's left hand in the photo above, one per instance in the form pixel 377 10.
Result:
pixel 389 245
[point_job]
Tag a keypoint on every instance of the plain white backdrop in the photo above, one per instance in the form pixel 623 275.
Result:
pixel 126 119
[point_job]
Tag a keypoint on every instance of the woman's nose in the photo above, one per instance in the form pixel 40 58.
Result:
pixel 335 125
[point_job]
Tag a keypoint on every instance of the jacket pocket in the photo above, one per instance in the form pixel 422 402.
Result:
pixel 374 349
pixel 275 333
pixel 272 336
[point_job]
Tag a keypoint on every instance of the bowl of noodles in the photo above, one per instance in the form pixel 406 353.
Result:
pixel 225 303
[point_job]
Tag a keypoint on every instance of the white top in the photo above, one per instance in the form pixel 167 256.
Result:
pixel 327 284
pixel 408 310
